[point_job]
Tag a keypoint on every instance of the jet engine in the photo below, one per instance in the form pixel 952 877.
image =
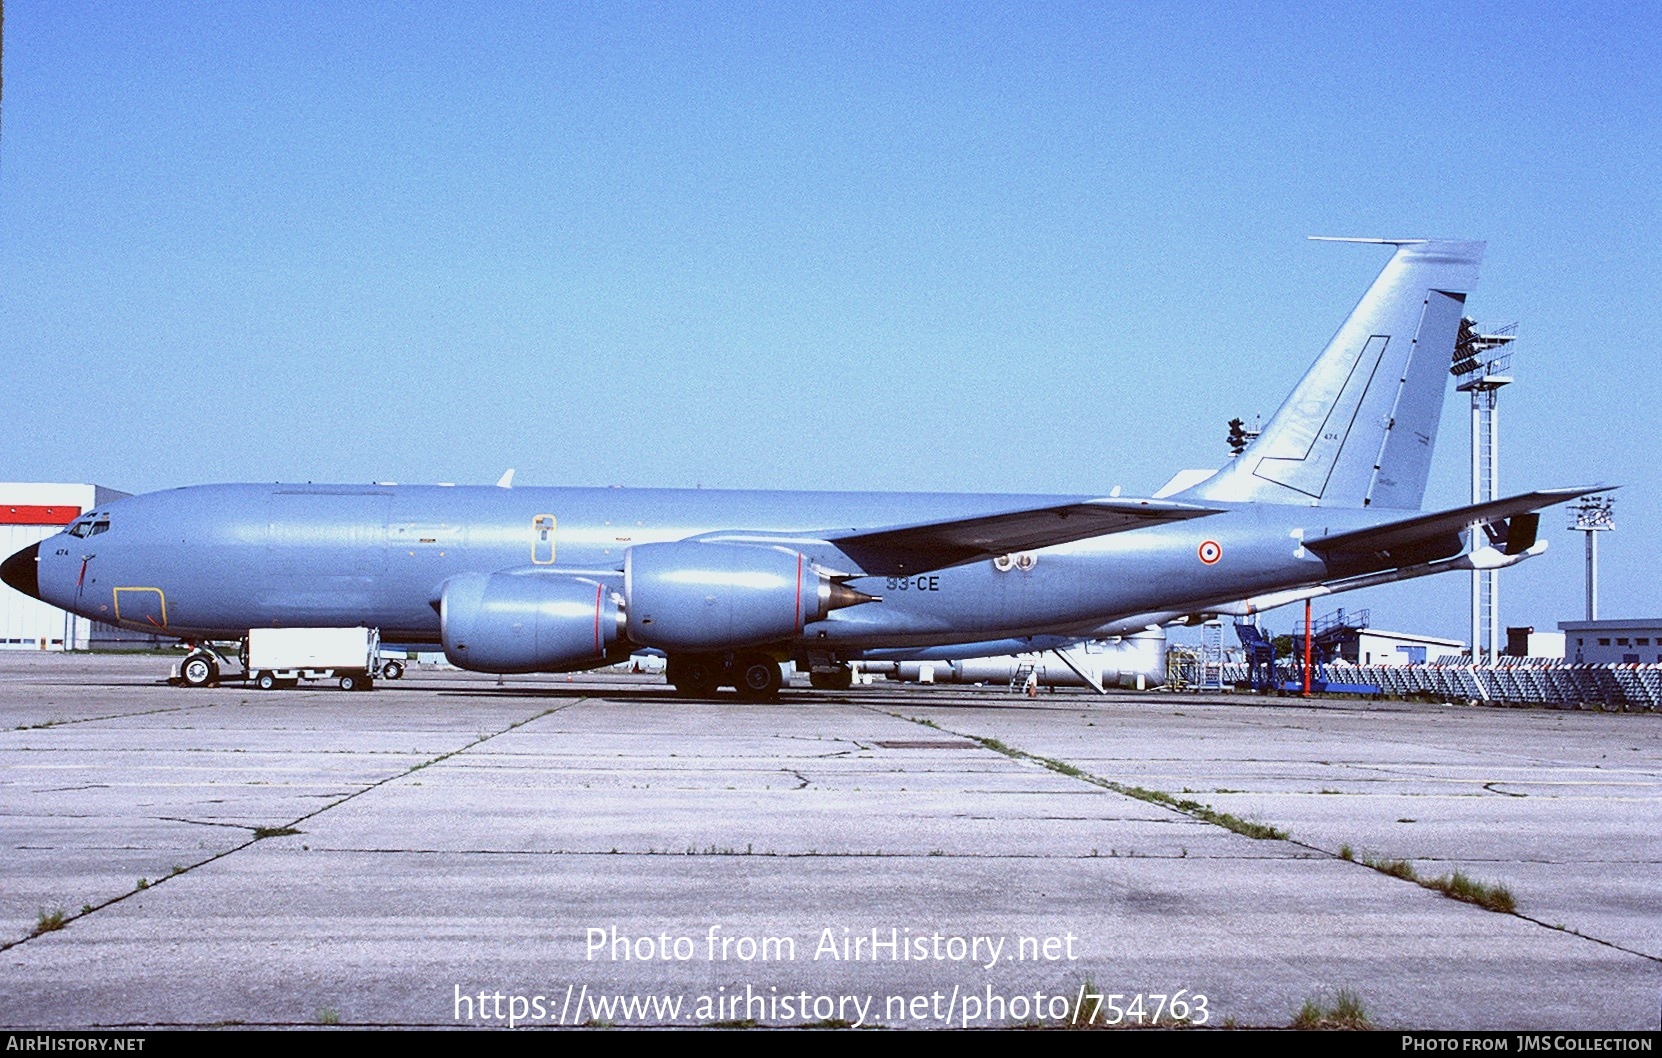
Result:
pixel 695 596
pixel 502 622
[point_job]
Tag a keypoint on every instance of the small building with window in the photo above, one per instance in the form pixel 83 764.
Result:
pixel 1634 641
pixel 1373 646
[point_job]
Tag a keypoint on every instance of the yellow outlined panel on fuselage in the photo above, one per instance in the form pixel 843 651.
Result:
pixel 142 613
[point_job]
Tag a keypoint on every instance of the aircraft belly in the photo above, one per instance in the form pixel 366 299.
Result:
pixel 980 600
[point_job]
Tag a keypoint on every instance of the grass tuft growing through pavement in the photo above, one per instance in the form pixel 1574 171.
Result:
pixel 1395 868
pixel 1345 1012
pixel 1492 897
pixel 47 921
pixel 1205 813
pixel 1457 886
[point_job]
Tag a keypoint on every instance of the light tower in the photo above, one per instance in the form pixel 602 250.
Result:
pixel 1483 364
pixel 1592 516
pixel 1241 435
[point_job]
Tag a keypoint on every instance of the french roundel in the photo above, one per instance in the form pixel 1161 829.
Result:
pixel 1210 551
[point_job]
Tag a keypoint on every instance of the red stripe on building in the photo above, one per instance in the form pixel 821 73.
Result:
pixel 23 514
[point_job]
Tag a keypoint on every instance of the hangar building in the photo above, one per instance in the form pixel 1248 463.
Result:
pixel 29 513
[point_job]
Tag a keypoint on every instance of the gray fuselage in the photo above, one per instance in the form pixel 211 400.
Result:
pixel 211 562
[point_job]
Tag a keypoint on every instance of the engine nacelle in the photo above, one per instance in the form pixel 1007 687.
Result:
pixel 501 622
pixel 693 596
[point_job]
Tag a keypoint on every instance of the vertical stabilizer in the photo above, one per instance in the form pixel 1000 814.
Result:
pixel 1359 429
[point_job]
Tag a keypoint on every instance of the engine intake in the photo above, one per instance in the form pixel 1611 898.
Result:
pixel 503 622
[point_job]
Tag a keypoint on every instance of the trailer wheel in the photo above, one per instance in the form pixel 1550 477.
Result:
pixel 265 681
pixel 198 670
pixel 392 670
pixel 840 680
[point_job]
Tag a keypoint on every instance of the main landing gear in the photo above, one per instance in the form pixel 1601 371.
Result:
pixel 756 676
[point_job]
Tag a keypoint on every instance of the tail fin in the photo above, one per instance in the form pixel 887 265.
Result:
pixel 1359 428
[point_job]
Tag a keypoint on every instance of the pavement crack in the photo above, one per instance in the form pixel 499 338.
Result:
pixel 1192 809
pixel 1559 928
pixel 205 822
pixel 479 739
pixel 261 833
pixel 44 724
pixel 1455 886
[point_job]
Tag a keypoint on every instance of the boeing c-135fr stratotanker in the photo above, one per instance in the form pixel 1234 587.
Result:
pixel 728 584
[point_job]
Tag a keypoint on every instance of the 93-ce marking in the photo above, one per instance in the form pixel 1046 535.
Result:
pixel 931 583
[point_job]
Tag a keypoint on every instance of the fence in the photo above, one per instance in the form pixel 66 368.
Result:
pixel 1522 681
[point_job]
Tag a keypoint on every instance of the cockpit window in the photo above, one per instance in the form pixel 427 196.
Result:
pixel 89 527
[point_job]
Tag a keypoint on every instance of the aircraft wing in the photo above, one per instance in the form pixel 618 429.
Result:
pixel 907 549
pixel 1414 532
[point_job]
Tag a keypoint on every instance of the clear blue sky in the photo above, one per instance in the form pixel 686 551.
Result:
pixel 897 246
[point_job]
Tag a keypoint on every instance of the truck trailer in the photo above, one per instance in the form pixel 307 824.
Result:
pixel 282 657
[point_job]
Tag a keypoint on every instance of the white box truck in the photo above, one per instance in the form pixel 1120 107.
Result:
pixel 282 657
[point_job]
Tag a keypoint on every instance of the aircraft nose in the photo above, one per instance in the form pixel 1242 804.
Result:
pixel 21 571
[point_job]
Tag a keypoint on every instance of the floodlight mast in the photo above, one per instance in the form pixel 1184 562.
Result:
pixel 1592 516
pixel 1483 364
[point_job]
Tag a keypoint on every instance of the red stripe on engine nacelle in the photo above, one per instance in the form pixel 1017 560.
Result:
pixel 25 514
pixel 599 648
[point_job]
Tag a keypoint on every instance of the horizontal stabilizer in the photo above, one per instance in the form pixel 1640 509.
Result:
pixel 1409 532
pixel 1183 479
pixel 1484 558
pixel 909 549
